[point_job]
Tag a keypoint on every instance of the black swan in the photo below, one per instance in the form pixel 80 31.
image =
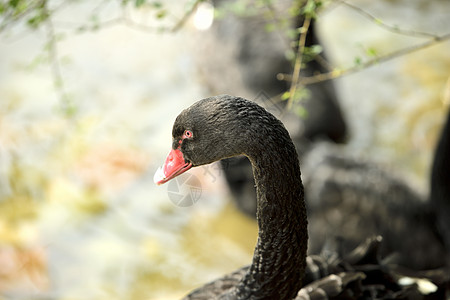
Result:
pixel 440 185
pixel 246 128
pixel 350 200
pixel 224 126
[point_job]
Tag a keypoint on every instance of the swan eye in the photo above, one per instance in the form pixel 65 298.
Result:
pixel 187 134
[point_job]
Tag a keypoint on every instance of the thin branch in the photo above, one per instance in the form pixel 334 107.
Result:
pixel 186 16
pixel 323 62
pixel 340 73
pixel 102 4
pixel 126 20
pixel 54 59
pixel 391 28
pixel 298 61
pixel 129 22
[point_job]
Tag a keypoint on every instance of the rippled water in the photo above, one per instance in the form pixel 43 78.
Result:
pixel 80 215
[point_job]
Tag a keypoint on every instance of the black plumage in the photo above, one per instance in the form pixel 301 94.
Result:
pixel 225 126
pixel 350 199
pixel 246 128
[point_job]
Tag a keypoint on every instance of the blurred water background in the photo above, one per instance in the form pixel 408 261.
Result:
pixel 80 217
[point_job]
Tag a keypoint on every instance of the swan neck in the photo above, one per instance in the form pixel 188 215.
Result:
pixel 280 255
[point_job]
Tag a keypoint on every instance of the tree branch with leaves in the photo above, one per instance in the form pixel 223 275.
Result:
pixel 39 13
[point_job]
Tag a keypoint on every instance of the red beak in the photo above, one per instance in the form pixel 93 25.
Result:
pixel 173 166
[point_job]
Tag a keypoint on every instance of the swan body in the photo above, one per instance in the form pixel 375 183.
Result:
pixel 349 200
pixel 344 194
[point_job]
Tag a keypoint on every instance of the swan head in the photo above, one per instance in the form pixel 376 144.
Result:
pixel 210 130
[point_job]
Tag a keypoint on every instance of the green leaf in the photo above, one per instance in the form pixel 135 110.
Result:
pixel 316 49
pixel 270 27
pixel 95 22
pixel 37 19
pixel 357 60
pixel 161 14
pixel 67 106
pixel 301 111
pixel 372 52
pixel 291 33
pixel 289 54
pixel 157 4
pixel 296 8
pixel 313 50
pixel 14 3
pixel 310 53
pixel 285 96
pixel 17 7
pixel 81 29
pixel 219 13
pixel 139 3
pixel 309 10
pixel 301 94
pixel 264 3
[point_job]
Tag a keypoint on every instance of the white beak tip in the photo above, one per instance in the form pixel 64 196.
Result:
pixel 159 176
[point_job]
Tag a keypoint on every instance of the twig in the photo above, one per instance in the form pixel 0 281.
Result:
pixel 102 4
pixel 323 62
pixel 378 60
pixel 385 26
pixel 298 61
pixel 128 21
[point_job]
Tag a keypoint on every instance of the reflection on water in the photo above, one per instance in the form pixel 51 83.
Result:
pixel 80 217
